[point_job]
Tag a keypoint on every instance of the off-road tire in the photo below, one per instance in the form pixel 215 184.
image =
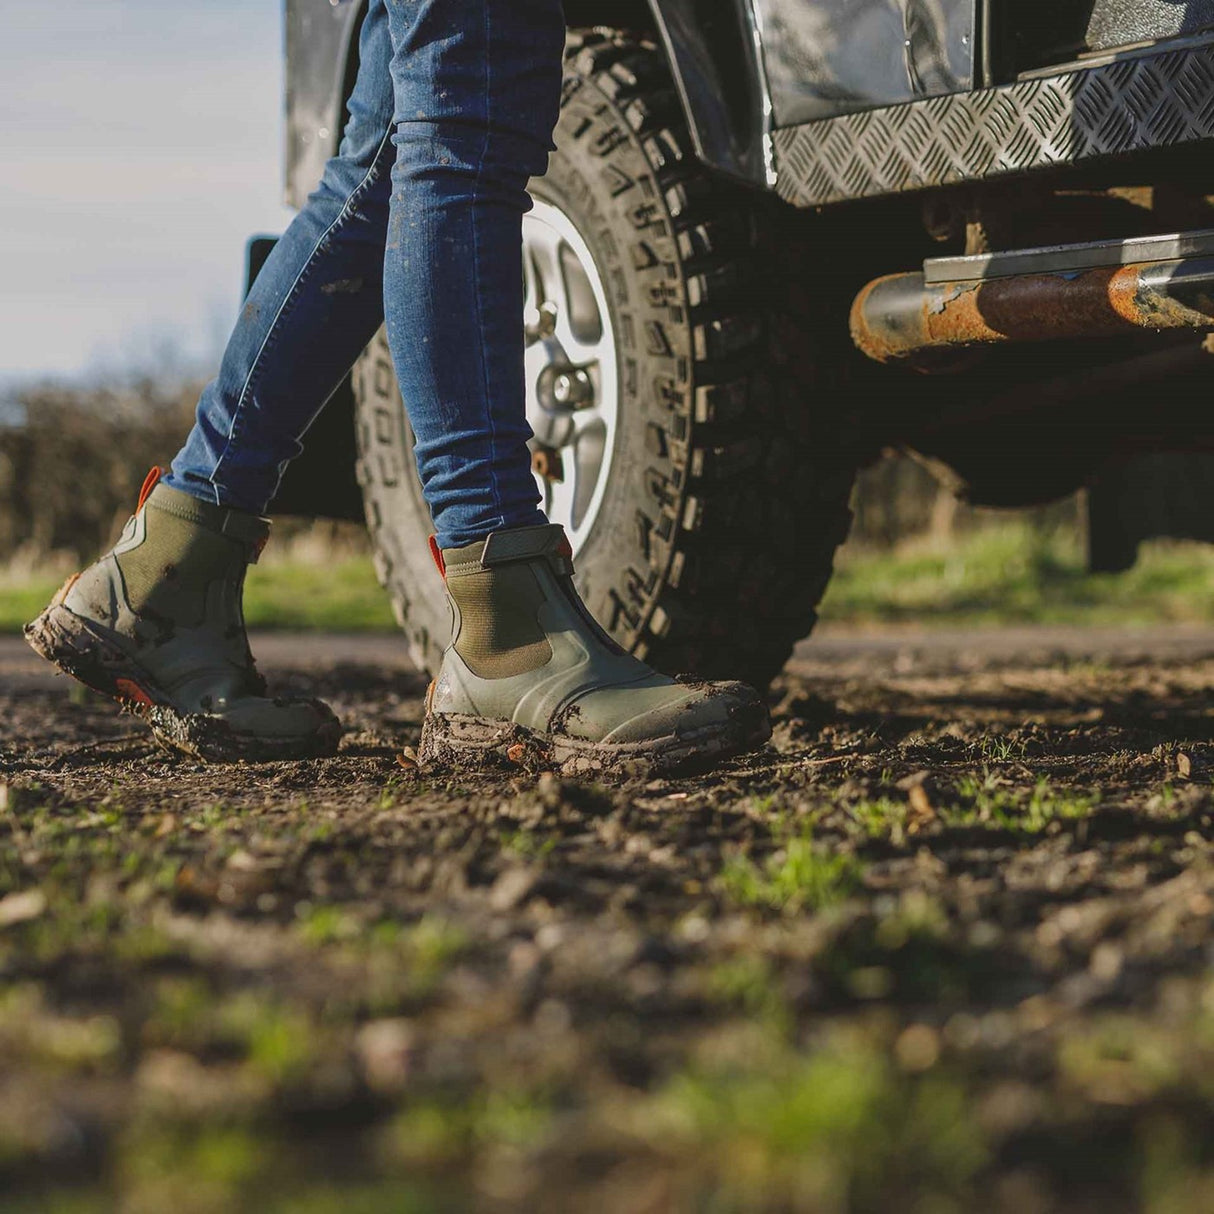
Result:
pixel 727 499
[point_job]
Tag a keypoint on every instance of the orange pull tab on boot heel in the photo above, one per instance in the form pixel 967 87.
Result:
pixel 437 553
pixel 149 483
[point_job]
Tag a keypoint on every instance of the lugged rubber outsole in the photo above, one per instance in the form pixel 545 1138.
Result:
pixel 452 742
pixel 66 640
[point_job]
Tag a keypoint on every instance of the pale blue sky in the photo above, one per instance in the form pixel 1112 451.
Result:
pixel 140 145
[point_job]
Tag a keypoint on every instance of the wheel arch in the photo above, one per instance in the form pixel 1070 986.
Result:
pixel 712 48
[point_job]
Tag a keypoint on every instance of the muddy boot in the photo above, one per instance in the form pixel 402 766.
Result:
pixel 157 624
pixel 531 678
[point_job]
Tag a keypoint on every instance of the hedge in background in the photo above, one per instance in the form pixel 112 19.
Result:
pixel 70 473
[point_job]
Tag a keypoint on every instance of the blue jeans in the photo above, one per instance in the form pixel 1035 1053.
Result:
pixel 417 221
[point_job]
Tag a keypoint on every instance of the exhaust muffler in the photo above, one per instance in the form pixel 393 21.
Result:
pixel 1101 289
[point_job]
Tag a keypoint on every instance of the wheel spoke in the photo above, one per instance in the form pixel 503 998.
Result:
pixel 585 420
pixel 531 284
pixel 544 246
pixel 579 353
pixel 585 457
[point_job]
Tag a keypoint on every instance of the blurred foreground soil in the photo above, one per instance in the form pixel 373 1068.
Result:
pixel 944 946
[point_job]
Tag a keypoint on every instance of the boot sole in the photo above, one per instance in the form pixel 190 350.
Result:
pixel 462 743
pixel 65 640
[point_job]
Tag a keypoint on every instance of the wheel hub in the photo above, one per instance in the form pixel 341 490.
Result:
pixel 572 390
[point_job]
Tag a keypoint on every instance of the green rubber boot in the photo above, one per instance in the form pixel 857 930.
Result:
pixel 157 624
pixel 531 679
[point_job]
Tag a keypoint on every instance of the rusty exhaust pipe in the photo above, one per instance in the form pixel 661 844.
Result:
pixel 897 317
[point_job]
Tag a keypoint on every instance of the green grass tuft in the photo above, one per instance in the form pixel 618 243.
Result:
pixel 798 876
pixel 1013 573
pixel 838 1129
pixel 986 803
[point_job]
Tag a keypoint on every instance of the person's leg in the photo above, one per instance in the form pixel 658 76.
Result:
pixel 477 96
pixel 157 622
pixel 315 305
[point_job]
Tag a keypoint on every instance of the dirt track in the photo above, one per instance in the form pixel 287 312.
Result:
pixel 944 946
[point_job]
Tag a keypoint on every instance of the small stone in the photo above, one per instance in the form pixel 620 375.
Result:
pixel 919 794
pixel 1106 962
pixel 14 797
pixel 386 1049
pixel 21 908
pixel 550 936
pixel 920 803
pixel 524 956
pixel 1184 766
pixel 171 1074
pixel 549 789
pixel 511 888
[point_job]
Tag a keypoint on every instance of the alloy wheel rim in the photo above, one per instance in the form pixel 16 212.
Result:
pixel 572 377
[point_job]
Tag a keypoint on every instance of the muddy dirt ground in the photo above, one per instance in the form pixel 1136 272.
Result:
pixel 944 946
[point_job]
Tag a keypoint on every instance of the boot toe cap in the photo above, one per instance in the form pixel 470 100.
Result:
pixel 680 710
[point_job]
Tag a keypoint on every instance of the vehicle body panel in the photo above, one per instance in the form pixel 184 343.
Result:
pixel 322 53
pixel 780 91
pixel 829 57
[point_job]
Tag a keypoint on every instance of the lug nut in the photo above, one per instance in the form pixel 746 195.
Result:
pixel 571 388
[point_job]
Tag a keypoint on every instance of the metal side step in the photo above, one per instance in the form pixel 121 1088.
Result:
pixel 1060 258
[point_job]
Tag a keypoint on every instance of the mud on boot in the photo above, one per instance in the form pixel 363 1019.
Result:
pixel 157 624
pixel 531 679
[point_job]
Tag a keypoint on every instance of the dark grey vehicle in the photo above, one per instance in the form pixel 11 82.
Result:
pixel 779 236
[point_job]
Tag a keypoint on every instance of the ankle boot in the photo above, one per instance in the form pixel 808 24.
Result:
pixel 530 677
pixel 157 624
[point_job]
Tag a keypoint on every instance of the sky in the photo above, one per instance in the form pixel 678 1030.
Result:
pixel 141 145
